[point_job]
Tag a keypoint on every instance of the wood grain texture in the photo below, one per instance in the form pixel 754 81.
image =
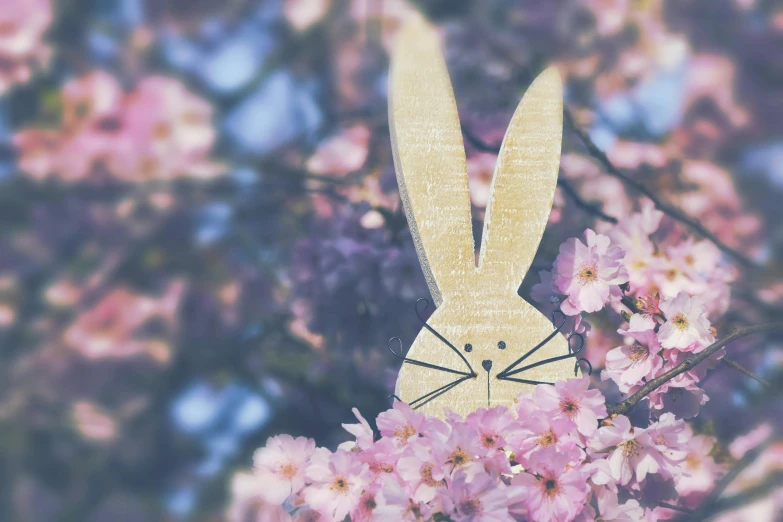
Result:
pixel 476 305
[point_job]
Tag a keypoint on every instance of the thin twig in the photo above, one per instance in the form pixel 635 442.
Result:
pixel 674 508
pixel 660 204
pixel 590 208
pixel 758 491
pixel 653 384
pixel 563 183
pixel 734 364
pixel 630 302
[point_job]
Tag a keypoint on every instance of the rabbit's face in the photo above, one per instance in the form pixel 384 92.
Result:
pixel 467 356
pixel 491 335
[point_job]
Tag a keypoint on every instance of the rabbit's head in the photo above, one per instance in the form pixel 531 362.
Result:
pixel 468 355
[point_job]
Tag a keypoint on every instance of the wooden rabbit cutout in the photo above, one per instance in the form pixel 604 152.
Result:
pixel 468 355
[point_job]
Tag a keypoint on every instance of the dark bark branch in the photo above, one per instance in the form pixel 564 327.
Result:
pixel 590 208
pixel 660 204
pixel 652 385
pixel 563 183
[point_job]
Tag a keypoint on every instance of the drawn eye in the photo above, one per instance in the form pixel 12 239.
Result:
pixel 502 345
pixel 468 347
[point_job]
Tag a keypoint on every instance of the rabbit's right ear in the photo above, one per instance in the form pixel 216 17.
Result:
pixel 429 158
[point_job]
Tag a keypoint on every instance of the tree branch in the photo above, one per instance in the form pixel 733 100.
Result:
pixel 652 385
pixel 662 205
pixel 563 183
pixel 590 208
pixel 734 364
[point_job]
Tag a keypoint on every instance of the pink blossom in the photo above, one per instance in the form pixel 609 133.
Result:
pixel 91 100
pixel 108 330
pixel 461 450
pixel 337 481
pixel 556 492
pixel 476 499
pixel 372 507
pixel 247 505
pixel 631 450
pixel 611 510
pixel 412 510
pixel 421 473
pixel 549 300
pixel 159 130
pixel 381 456
pixel 362 431
pixel 540 431
pixel 686 326
pixel 493 427
pixel 21 40
pixel 699 469
pixel 629 365
pixel 588 274
pixel 280 467
pixel 632 234
pixel 669 435
pixel 167 132
pixel 401 422
pixel 573 400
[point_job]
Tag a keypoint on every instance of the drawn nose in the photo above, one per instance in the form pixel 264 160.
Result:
pixel 487 364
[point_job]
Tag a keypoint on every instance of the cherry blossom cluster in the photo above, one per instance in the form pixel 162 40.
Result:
pixel 557 457
pixel 22 39
pixel 670 285
pixel 158 131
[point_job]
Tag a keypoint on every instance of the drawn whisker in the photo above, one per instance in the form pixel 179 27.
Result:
pixel 439 336
pixel 437 393
pixel 523 381
pixel 537 364
pixel 589 366
pixel 539 345
pixel 421 363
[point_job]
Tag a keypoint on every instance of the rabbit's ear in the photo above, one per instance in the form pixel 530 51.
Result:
pixel 524 183
pixel 429 158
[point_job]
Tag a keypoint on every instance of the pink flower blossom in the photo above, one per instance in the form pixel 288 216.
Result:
pixel 159 130
pixel 699 469
pixel 476 499
pixel 632 452
pixel 629 365
pixel 461 450
pixel 422 473
pixel 540 431
pixel 167 133
pixel 362 431
pixel 686 326
pixel 401 422
pixel 337 481
pixel 589 274
pixel 493 426
pixel 632 234
pixel 549 300
pixel 573 400
pixel 280 467
pixel 248 506
pixel 21 40
pixel 372 507
pixel 556 492
pixel 108 330
pixel 669 435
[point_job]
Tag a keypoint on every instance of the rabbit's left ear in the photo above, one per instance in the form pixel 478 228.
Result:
pixel 523 187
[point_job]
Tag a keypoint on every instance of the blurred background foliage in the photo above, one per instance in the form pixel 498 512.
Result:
pixel 202 240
